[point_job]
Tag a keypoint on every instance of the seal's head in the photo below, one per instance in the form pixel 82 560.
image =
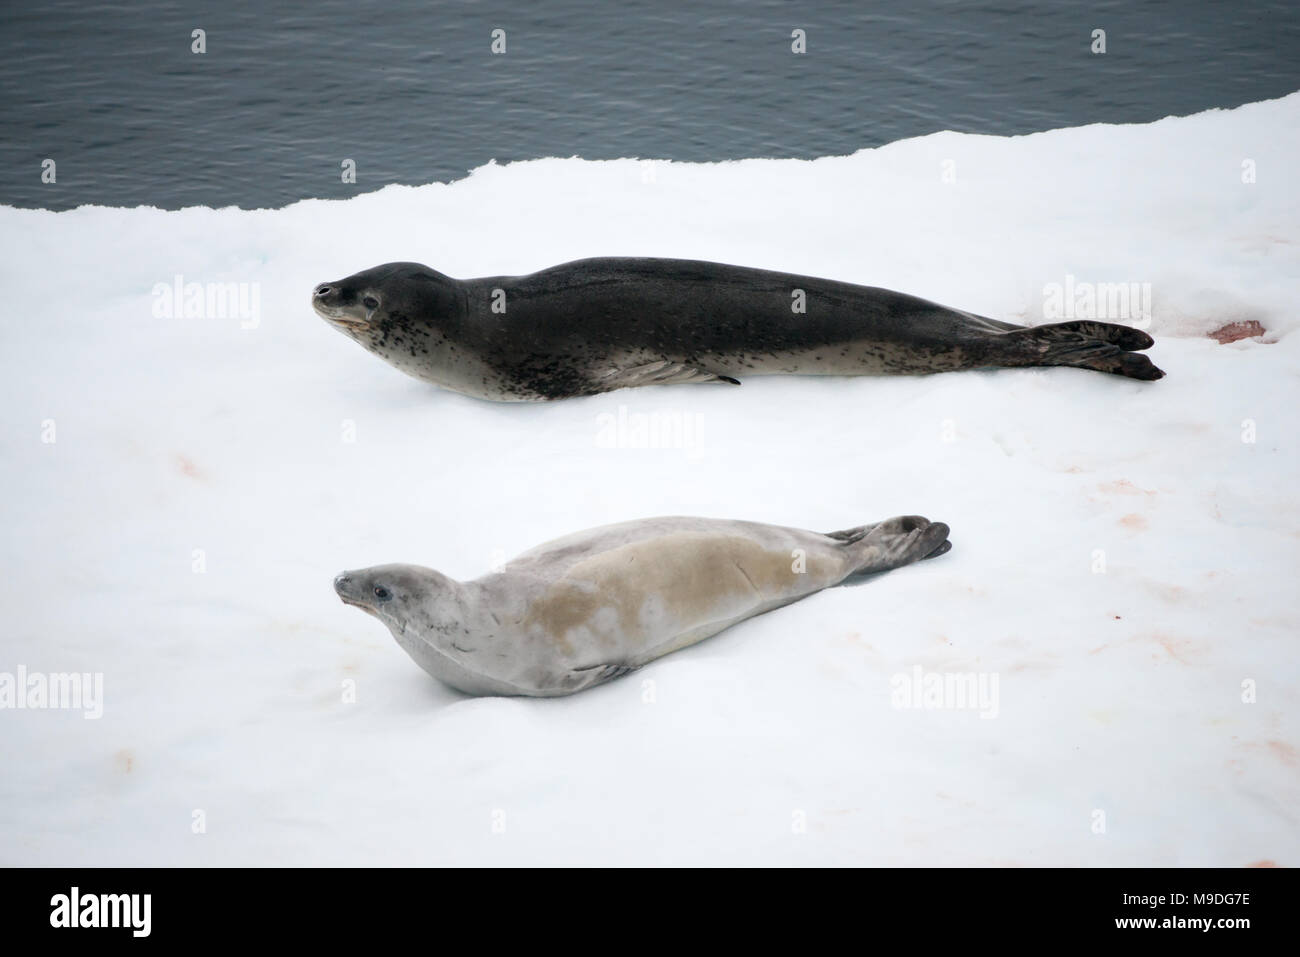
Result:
pixel 384 591
pixel 377 305
pixel 402 597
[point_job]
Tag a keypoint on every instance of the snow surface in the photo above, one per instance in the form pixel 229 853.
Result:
pixel 1118 692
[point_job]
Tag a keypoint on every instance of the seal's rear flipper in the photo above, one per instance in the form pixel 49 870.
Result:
pixel 893 543
pixel 1087 344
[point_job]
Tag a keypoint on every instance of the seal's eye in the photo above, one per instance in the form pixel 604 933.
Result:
pixel 370 302
pixel 382 593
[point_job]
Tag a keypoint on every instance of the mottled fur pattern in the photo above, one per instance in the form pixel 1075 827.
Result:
pixel 599 324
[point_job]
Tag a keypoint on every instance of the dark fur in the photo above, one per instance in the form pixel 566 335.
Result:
pixel 566 329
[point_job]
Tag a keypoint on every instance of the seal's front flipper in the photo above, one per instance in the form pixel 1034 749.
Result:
pixel 894 543
pixel 580 679
pixel 1086 344
pixel 662 372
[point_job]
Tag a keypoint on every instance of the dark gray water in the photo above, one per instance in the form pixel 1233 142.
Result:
pixel 412 92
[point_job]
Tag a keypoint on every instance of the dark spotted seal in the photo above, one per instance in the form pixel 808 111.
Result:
pixel 600 324
pixel 595 605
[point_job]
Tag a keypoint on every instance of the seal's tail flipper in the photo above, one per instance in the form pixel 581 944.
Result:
pixel 893 543
pixel 1087 344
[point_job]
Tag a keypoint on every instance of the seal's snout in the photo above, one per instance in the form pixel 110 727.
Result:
pixel 352 592
pixel 360 590
pixel 337 303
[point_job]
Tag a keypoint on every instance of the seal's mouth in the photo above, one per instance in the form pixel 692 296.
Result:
pixel 356 604
pixel 337 314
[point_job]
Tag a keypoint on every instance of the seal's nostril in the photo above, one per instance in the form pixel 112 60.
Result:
pixel 341 581
pixel 322 290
